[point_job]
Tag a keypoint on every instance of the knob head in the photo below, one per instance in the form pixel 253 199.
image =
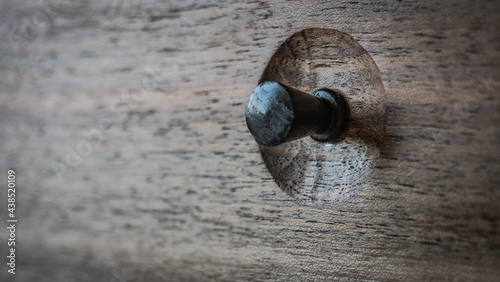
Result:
pixel 269 114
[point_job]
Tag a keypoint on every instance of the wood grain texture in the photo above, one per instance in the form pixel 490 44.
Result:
pixel 316 172
pixel 172 186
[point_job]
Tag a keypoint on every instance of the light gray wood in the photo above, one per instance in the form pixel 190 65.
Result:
pixel 175 188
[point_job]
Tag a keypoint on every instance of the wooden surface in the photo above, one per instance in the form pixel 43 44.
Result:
pixel 315 172
pixel 173 187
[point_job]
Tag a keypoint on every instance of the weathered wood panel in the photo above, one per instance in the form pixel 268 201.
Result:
pixel 173 186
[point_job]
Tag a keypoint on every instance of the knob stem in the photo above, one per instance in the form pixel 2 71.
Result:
pixel 276 113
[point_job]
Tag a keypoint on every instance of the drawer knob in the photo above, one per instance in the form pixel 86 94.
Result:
pixel 276 114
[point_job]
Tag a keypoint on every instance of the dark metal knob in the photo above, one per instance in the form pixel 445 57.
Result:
pixel 276 114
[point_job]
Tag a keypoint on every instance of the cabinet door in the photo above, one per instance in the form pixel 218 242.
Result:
pixel 124 122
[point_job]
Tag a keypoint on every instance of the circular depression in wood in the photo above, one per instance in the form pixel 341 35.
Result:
pixel 315 172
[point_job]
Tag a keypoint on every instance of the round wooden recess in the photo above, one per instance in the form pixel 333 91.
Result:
pixel 314 172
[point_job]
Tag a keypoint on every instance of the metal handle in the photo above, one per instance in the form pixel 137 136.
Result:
pixel 276 113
